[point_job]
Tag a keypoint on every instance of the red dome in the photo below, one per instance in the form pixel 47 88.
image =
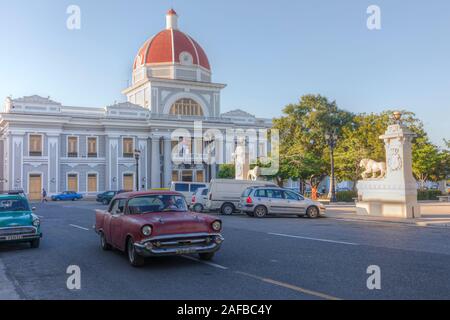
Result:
pixel 167 46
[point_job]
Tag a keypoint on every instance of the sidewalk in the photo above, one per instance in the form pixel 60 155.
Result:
pixel 434 214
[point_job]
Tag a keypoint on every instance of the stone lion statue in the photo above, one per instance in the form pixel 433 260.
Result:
pixel 254 174
pixel 372 168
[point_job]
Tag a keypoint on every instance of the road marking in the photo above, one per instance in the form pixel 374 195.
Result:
pixel 313 239
pixel 206 262
pixel 290 286
pixel 79 227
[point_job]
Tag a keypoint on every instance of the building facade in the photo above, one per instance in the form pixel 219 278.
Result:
pixel 44 144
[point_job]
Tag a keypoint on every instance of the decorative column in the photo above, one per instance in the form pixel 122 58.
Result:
pixel 167 162
pixel 16 161
pixel 53 163
pixel 112 163
pixel 142 146
pixel 156 162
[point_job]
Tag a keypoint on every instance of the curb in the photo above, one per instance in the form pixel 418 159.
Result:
pixel 423 224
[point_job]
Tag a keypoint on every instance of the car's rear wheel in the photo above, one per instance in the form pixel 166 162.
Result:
pixel 35 243
pixel 198 207
pixel 227 209
pixel 133 257
pixel 260 212
pixel 312 212
pixel 103 243
pixel 206 256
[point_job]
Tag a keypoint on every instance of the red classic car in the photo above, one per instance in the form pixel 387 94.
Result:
pixel 156 223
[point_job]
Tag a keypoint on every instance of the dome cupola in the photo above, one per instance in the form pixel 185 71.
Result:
pixel 172 54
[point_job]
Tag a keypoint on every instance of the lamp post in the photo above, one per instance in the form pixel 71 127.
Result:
pixel 137 156
pixel 331 139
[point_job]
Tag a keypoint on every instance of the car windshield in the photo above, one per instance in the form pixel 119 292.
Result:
pixel 157 203
pixel 9 205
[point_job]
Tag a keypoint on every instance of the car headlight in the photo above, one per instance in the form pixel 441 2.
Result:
pixel 147 230
pixel 216 225
pixel 36 222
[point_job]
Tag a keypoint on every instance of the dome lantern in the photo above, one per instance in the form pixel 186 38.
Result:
pixel 172 20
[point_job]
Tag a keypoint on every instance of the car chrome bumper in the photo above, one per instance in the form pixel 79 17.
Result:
pixel 170 245
pixel 13 234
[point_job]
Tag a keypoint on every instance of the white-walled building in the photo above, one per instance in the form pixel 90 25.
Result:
pixel 45 144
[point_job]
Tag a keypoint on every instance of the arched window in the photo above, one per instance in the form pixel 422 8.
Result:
pixel 186 107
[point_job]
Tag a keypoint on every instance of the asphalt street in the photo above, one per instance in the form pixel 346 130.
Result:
pixel 271 258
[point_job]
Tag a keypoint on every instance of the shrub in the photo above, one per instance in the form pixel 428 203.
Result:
pixel 346 196
pixel 428 194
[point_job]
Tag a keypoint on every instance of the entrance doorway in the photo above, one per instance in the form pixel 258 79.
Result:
pixel 35 186
pixel 128 181
pixel 92 182
pixel 72 182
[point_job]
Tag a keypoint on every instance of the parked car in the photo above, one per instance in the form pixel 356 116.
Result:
pixel 66 196
pixel 156 223
pixel 187 188
pixel 198 200
pixel 224 194
pixel 18 223
pixel 259 202
pixel 106 197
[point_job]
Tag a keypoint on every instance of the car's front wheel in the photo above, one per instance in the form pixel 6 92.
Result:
pixel 198 207
pixel 105 202
pixel 133 257
pixel 35 243
pixel 312 212
pixel 227 209
pixel 206 256
pixel 260 212
pixel 103 243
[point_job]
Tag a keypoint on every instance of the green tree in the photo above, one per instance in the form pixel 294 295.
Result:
pixel 304 152
pixel 426 161
pixel 359 140
pixel 226 171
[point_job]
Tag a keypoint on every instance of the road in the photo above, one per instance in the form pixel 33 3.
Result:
pixel 271 258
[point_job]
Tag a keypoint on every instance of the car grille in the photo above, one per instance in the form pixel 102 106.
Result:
pixel 183 243
pixel 18 230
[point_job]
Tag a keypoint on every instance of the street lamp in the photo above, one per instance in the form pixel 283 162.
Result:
pixel 137 156
pixel 331 139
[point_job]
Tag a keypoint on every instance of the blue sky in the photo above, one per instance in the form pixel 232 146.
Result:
pixel 268 52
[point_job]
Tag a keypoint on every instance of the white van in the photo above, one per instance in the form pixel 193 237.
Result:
pixel 224 194
pixel 187 189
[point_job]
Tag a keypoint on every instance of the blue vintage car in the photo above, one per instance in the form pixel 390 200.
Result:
pixel 67 196
pixel 18 223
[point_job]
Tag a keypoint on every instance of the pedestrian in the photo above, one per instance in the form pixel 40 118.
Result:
pixel 44 195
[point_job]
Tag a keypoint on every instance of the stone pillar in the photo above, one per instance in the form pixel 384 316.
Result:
pixel 167 162
pixel 112 163
pixel 142 146
pixel 16 162
pixel 53 163
pixel 156 162
pixel 394 195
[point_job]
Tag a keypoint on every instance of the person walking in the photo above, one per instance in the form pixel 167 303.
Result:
pixel 44 195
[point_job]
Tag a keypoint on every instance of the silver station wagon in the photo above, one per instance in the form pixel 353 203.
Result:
pixel 261 201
